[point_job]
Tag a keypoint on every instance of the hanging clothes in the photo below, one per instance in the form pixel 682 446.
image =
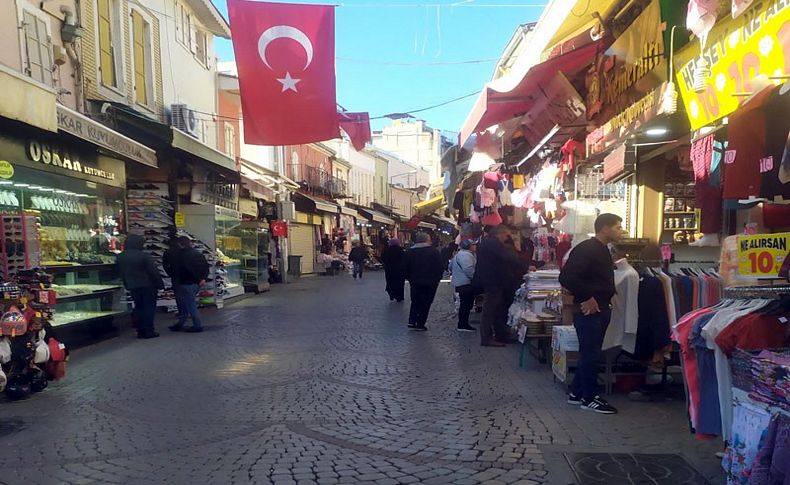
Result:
pixel 625 310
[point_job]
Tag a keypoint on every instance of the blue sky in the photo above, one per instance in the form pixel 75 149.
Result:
pixel 419 32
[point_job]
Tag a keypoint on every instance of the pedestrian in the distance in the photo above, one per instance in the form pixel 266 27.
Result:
pixel 141 278
pixel 495 264
pixel 169 264
pixel 462 268
pixel 358 256
pixel 423 267
pixel 192 270
pixel 589 276
pixel 392 259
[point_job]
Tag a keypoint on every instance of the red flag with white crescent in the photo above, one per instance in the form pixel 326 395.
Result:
pixel 357 127
pixel 285 56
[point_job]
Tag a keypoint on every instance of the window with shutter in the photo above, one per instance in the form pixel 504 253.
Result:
pixel 140 61
pixel 201 48
pixel 107 67
pixel 38 49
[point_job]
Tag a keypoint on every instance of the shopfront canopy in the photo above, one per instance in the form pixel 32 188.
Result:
pixel 305 203
pixel 513 95
pixel 375 216
pixel 429 206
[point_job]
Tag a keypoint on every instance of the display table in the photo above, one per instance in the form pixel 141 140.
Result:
pixel 538 345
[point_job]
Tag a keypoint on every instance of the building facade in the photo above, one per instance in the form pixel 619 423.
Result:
pixel 416 143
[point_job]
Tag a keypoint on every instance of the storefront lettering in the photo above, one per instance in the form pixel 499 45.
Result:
pixel 58 157
pixel 618 83
pixel 779 242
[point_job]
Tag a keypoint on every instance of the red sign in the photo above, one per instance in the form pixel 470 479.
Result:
pixel 279 228
pixel 614 164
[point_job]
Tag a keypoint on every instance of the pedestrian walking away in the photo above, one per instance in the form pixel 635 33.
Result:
pixel 495 264
pixel 141 278
pixel 358 256
pixel 589 276
pixel 462 268
pixel 423 267
pixel 192 270
pixel 392 259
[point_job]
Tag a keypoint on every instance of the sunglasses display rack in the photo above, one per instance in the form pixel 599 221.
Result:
pixel 151 214
pixel 20 242
pixel 30 354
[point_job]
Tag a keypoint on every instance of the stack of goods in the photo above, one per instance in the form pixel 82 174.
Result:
pixel 489 197
pixel 537 304
pixel 213 291
pixel 564 345
pixel 30 355
pixel 768 378
pixel 19 244
pixel 543 283
pixel 151 216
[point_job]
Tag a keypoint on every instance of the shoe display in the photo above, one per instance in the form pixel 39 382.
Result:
pixel 598 405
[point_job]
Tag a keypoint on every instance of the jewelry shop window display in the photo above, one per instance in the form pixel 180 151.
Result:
pixel 62 210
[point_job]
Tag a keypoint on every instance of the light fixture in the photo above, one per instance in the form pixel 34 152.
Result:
pixel 6 182
pixel 21 185
pixel 46 189
pixel 83 195
pixel 656 131
pixel 35 187
pixel 60 191
pixel 701 75
pixel 669 103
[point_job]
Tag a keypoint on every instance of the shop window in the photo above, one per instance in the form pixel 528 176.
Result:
pixel 230 140
pixel 201 48
pixel 38 48
pixel 141 50
pixel 183 25
pixel 110 46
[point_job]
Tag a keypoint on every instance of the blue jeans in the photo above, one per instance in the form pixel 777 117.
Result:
pixel 591 330
pixel 186 295
pixel 358 269
pixel 144 308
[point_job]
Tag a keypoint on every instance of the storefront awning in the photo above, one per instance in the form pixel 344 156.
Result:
pixel 426 225
pixel 513 95
pixel 430 205
pixel 193 146
pixel 583 18
pixel 305 203
pixel 375 216
pixel 349 211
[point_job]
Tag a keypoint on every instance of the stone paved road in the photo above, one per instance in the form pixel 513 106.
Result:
pixel 317 382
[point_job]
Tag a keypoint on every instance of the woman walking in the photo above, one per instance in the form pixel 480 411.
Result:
pixel 392 259
pixel 462 267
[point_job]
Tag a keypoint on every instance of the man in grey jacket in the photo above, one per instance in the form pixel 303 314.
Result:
pixel 141 277
pixel 462 268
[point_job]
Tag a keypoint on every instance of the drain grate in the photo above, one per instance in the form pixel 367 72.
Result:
pixel 633 469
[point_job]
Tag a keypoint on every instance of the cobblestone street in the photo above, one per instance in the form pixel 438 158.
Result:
pixel 319 382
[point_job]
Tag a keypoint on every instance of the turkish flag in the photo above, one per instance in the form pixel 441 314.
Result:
pixel 357 127
pixel 285 56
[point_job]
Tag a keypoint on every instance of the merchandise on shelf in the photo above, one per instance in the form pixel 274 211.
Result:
pixel 20 242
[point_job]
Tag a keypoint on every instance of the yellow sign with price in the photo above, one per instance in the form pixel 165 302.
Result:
pixel 762 255
pixel 737 50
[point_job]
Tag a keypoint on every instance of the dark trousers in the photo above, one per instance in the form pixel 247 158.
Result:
pixel 395 284
pixel 357 269
pixel 494 320
pixel 591 330
pixel 466 294
pixel 186 295
pixel 144 308
pixel 421 299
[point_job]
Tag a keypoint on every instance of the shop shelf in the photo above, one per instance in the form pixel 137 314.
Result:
pixel 69 318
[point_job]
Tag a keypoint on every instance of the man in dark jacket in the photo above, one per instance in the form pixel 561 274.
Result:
pixel 169 264
pixel 589 276
pixel 191 270
pixel 494 273
pixel 141 278
pixel 392 259
pixel 358 256
pixel 423 267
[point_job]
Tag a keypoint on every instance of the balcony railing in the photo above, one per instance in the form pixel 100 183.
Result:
pixel 321 181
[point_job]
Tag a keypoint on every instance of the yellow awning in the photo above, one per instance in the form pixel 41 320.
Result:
pixel 580 18
pixel 430 205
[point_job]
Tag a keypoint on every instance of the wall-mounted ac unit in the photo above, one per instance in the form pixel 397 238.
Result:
pixel 183 117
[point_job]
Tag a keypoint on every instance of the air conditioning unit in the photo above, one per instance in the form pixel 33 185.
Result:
pixel 183 117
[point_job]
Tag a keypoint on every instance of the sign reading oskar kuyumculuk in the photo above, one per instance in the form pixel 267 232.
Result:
pixel 623 78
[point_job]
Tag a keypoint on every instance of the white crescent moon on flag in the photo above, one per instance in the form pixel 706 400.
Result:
pixel 284 32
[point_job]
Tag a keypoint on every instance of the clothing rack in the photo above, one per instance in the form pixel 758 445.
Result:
pixel 664 264
pixel 752 292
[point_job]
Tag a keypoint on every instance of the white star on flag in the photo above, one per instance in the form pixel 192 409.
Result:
pixel 289 83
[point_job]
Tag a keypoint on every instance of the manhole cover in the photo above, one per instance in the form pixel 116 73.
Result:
pixel 632 469
pixel 11 426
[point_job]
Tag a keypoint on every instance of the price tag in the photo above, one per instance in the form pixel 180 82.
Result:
pixel 762 255
pixel 179 219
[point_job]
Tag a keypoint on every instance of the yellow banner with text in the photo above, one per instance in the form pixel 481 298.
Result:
pixel 762 255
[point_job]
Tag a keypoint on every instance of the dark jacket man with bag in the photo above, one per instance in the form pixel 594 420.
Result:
pixel 141 278
pixel 423 267
pixel 191 271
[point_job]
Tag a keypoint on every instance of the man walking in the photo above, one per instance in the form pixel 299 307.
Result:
pixel 358 256
pixel 191 270
pixel 589 276
pixel 423 267
pixel 392 259
pixel 169 264
pixel 462 267
pixel 141 278
pixel 495 264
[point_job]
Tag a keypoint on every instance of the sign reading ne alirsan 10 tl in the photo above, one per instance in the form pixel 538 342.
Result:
pixel 762 255
pixel 737 51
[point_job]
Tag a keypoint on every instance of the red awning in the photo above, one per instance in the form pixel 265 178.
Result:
pixel 511 96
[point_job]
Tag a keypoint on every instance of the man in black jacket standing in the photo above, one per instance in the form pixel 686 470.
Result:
pixel 589 276
pixel 191 270
pixel 141 278
pixel 423 267
pixel 495 267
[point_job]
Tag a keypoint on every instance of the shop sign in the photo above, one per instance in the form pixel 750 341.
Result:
pixel 98 134
pixel 209 188
pixel 179 219
pixel 617 129
pixel 279 228
pixel 629 69
pixel 6 170
pixel 762 255
pixel 737 51
pixel 248 207
pixel 614 164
